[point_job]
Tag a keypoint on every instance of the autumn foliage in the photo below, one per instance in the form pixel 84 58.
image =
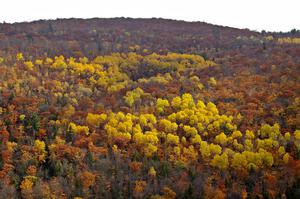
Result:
pixel 148 123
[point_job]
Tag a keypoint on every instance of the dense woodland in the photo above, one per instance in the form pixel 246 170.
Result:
pixel 148 108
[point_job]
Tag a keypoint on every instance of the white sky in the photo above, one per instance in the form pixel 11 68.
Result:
pixel 270 15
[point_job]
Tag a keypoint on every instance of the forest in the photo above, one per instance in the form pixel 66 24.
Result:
pixel 148 108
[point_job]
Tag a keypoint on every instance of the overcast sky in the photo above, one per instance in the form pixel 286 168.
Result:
pixel 270 15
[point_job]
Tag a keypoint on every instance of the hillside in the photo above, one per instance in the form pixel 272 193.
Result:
pixel 148 108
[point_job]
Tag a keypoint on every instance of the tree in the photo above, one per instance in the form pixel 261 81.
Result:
pixel 221 139
pixel 152 172
pixel 172 139
pixel 40 147
pixel 212 81
pixel 133 96
pixel 19 57
pixel 239 161
pixel 77 129
pixel 95 119
pixel 161 104
pixel 87 179
pixel 29 65
pixel 220 161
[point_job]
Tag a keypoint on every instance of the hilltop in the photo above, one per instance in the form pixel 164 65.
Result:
pixel 102 36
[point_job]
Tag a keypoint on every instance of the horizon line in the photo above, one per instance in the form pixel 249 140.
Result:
pixel 141 18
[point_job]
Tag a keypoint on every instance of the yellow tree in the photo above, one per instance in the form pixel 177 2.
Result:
pixel 161 104
pixel 220 161
pixel 95 119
